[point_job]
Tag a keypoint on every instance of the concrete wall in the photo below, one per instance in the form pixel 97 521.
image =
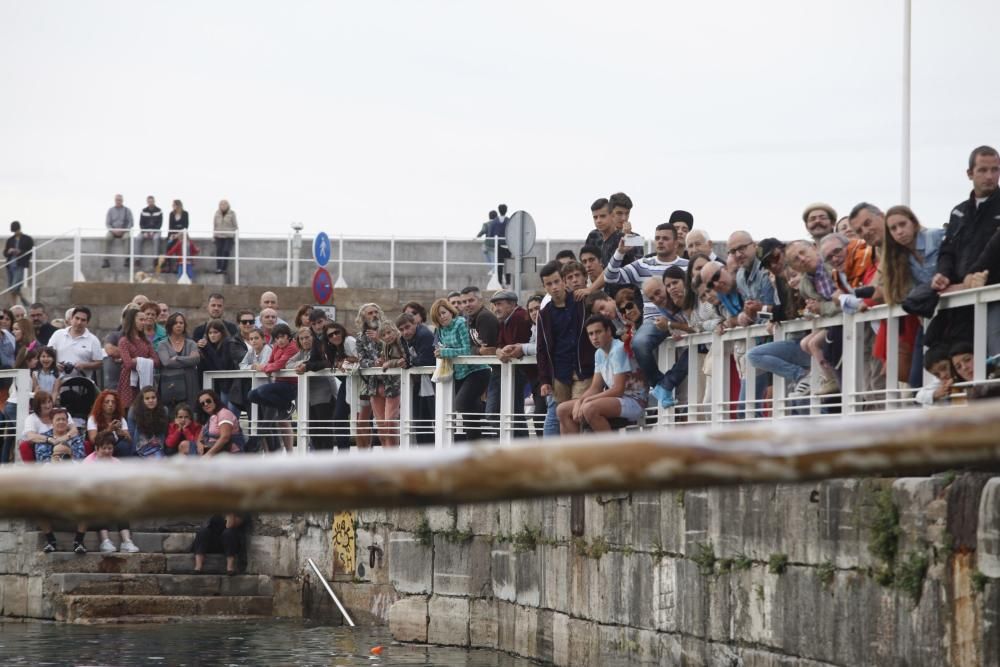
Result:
pixel 768 575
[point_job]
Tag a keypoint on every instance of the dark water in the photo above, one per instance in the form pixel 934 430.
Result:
pixel 224 643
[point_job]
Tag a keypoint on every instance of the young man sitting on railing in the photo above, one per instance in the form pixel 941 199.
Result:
pixel 616 390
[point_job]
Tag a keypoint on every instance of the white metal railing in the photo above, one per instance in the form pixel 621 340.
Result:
pixel 10 432
pixel 292 258
pixel 718 408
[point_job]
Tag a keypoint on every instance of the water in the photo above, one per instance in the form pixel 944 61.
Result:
pixel 225 644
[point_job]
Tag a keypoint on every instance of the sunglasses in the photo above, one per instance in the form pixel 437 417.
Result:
pixel 711 283
pixel 207 401
pixel 627 307
pixel 61 457
pixel 331 334
pixel 246 321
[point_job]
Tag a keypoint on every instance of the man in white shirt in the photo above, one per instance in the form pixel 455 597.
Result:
pixel 77 350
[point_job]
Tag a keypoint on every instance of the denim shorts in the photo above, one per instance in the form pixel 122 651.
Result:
pixel 630 409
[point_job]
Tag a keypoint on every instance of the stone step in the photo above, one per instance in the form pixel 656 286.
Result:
pixel 144 608
pixel 171 543
pixel 183 524
pixel 190 585
pixel 119 563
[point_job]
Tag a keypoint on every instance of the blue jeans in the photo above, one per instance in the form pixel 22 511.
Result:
pixel 647 340
pixel 551 426
pixel 784 357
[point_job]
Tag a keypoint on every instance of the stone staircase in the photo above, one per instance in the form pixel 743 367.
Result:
pixel 156 585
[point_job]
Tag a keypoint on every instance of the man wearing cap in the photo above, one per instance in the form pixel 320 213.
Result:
pixel 515 329
pixel 683 223
pixel 819 219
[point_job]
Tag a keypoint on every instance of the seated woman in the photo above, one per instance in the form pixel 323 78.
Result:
pixel 108 415
pixel 183 432
pixel 149 425
pixel 40 420
pixel 221 432
pixel 62 454
pixel 104 452
pixel 221 534
pixel 61 433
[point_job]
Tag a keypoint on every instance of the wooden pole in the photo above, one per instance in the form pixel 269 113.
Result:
pixel 790 450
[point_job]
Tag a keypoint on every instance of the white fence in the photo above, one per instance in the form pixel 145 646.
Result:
pixel 717 409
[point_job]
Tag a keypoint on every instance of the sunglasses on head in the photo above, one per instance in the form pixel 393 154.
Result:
pixel 715 278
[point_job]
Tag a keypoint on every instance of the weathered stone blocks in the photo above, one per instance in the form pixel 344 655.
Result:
pixel 449 621
pixel 410 564
pixel 408 619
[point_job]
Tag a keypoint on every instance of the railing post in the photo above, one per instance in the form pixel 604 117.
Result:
pixel 131 254
pixel 392 262
pixel 750 397
pixel 720 380
pixel 444 264
pixel 288 261
pixel 444 398
pixel 405 409
pixel 78 258
pixel 850 365
pixel 979 336
pixel 302 410
pixel 296 252
pixel 184 278
pixel 255 382
pixel 665 356
pixel 23 380
pixel 779 400
pixel 34 280
pixel 892 393
pixel 506 402
pixel 548 250
pixel 236 252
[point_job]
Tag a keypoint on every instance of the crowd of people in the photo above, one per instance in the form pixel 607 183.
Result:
pixel 596 332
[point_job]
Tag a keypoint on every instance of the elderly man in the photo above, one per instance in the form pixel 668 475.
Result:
pixel 868 223
pixel 718 278
pixel 515 329
pixel 697 242
pixel 852 257
pixel 119 223
pixel 659 312
pixel 819 219
pixel 270 300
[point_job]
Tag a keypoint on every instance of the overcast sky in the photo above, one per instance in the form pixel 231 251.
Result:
pixel 416 118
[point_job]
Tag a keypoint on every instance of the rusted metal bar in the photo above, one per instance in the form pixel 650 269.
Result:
pixel 784 451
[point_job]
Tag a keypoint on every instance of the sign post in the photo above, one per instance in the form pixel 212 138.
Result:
pixel 521 241
pixel 322 283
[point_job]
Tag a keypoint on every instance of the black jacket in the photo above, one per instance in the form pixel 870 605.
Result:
pixel 970 229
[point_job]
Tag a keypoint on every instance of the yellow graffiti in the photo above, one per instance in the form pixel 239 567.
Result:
pixel 343 543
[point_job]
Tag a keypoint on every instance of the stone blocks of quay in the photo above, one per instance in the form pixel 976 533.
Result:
pixel 769 575
pixel 840 572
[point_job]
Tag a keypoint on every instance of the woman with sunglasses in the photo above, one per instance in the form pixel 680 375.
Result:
pixel 340 353
pixel 221 432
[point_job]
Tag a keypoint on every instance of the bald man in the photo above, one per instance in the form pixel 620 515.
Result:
pixel 269 301
pixel 752 280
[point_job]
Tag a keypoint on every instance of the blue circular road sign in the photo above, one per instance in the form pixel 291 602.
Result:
pixel 321 249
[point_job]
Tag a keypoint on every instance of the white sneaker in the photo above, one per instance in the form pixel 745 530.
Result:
pixel 107 547
pixel 801 389
pixel 128 546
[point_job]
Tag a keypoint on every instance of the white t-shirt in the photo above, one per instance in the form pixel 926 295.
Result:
pixel 76 350
pixel 34 425
pixel 615 363
pixel 92 425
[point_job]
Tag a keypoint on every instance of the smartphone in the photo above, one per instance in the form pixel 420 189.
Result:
pixel 764 316
pixel 633 241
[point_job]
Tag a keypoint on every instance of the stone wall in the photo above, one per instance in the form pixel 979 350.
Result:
pixel 844 572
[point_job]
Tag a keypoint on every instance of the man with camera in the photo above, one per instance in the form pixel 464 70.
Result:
pixel 77 350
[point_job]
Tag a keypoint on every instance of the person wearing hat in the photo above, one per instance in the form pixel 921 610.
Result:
pixel 515 330
pixel 683 223
pixel 819 219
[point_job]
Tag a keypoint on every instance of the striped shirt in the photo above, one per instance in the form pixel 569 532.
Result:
pixel 637 272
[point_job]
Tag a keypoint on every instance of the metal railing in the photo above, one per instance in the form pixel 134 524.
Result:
pixel 295 257
pixel 717 409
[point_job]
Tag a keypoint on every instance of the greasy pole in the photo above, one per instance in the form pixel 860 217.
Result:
pixel 789 450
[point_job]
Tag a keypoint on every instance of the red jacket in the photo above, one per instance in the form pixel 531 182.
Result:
pixel 279 358
pixel 176 436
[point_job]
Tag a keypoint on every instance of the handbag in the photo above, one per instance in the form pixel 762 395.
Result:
pixel 443 371
pixel 173 389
